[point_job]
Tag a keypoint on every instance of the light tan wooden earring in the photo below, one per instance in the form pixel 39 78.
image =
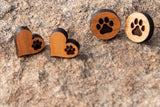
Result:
pixel 139 27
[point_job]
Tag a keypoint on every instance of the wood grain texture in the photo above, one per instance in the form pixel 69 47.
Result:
pixel 105 24
pixel 26 43
pixel 139 27
pixel 61 46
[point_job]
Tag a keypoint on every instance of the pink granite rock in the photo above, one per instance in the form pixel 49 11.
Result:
pixel 114 73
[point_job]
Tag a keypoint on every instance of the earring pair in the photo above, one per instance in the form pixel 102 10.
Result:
pixel 105 24
pixel 60 46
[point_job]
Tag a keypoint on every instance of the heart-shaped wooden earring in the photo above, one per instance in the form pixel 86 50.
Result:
pixel 61 46
pixel 26 43
pixel 105 24
pixel 139 27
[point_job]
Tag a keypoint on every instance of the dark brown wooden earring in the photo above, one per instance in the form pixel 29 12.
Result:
pixel 105 24
pixel 26 43
pixel 61 46
pixel 139 27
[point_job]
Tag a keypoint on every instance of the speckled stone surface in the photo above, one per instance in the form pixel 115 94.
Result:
pixel 113 73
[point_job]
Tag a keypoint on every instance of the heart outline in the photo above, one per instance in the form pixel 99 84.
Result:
pixel 28 51
pixel 58 48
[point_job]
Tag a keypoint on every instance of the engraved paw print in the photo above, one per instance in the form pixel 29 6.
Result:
pixel 70 50
pixel 137 27
pixel 105 26
pixel 36 45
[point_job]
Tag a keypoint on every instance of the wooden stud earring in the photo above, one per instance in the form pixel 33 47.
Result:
pixel 139 27
pixel 26 43
pixel 61 46
pixel 105 24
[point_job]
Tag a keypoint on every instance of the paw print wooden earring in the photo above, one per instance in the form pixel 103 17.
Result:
pixel 105 24
pixel 61 46
pixel 139 27
pixel 28 43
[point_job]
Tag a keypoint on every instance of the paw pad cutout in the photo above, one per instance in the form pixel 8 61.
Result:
pixel 36 45
pixel 139 27
pixel 105 24
pixel 70 50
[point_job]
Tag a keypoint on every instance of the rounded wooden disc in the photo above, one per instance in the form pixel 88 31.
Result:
pixel 105 24
pixel 139 27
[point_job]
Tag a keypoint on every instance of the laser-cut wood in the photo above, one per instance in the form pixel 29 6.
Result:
pixel 105 24
pixel 139 27
pixel 26 43
pixel 61 46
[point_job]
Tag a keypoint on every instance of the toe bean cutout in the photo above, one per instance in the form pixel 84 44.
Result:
pixel 61 46
pixel 139 27
pixel 105 24
pixel 28 43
